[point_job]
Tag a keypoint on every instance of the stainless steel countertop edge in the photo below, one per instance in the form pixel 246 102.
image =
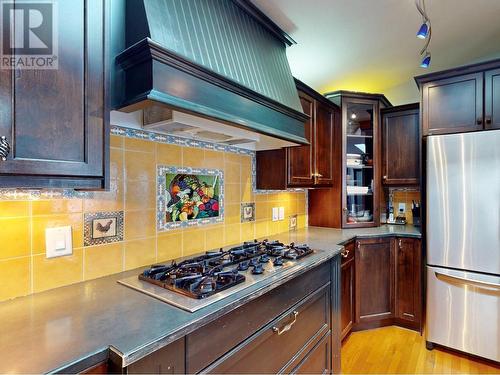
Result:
pixel 249 294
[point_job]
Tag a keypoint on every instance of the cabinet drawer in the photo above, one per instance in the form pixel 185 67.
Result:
pixel 272 348
pixel 318 360
pixel 232 329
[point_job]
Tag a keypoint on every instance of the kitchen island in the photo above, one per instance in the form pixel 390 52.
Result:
pixel 75 327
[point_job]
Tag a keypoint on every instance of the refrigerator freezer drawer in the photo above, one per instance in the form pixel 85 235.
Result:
pixel 463 311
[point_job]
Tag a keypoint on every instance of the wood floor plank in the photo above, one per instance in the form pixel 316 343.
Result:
pixel 395 350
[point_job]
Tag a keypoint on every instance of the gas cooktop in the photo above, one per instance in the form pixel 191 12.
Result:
pixel 196 282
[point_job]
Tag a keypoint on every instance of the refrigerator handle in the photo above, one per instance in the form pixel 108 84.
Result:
pixel 473 281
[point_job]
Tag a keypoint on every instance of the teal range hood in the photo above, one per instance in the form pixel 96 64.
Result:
pixel 221 59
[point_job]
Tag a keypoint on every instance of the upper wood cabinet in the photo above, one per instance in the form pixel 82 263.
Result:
pixel 461 100
pixel 55 121
pixel 492 99
pixel 301 159
pixel 311 165
pixel 400 145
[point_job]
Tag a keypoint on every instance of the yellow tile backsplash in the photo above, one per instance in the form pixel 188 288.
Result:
pixel 24 269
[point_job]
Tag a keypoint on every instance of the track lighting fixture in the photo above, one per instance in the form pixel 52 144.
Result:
pixel 425 32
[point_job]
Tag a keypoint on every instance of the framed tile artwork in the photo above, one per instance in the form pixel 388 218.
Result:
pixel 103 227
pixel 189 197
pixel 247 212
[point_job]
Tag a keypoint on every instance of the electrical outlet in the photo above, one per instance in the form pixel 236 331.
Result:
pixel 275 214
pixel 58 241
pixel 402 207
pixel 282 213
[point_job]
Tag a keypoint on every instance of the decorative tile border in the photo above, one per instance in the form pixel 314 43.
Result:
pixel 186 142
pixel 161 223
pixel 22 194
pixel 89 219
pixel 247 212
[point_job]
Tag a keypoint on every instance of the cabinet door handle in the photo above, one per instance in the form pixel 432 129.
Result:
pixel 4 148
pixel 287 327
pixel 488 120
pixel 345 253
pixel 399 242
pixel 479 121
pixel 359 245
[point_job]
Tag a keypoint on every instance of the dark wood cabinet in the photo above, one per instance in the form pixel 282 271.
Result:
pixel 168 360
pixel 56 120
pixel 453 105
pixel 401 145
pixel 492 99
pixel 388 283
pixel 347 289
pixel 301 159
pixel 318 360
pixel 408 282
pixel 460 100
pixel 375 303
pixel 352 198
pixel 292 333
pixel 311 165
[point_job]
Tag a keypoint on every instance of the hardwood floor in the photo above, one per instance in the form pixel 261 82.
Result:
pixel 394 350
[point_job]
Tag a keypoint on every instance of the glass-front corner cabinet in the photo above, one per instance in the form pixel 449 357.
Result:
pixel 360 162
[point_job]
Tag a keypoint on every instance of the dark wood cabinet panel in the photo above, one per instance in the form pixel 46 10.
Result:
pixel 400 145
pixel 168 360
pixel 301 158
pixel 318 361
pixel 453 105
pixel 324 144
pixel 408 281
pixel 56 121
pixel 492 99
pixel 313 165
pixel 374 281
pixel 347 289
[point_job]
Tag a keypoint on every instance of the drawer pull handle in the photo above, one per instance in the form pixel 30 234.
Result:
pixel 288 326
pixel 345 253
pixel 4 148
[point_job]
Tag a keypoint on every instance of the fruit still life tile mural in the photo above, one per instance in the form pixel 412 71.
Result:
pixel 189 196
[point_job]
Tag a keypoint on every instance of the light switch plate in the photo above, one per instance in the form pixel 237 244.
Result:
pixel 275 214
pixel 282 213
pixel 58 241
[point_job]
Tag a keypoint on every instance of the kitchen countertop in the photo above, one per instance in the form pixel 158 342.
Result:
pixel 56 329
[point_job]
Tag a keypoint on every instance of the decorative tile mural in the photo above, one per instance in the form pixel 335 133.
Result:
pixel 189 197
pixel 103 227
pixel 247 212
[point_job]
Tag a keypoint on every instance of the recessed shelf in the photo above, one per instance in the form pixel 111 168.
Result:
pixel 353 166
pixel 359 136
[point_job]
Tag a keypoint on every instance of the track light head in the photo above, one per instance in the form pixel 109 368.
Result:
pixel 423 32
pixel 426 61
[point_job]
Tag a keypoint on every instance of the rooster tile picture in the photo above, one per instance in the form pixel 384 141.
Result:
pixel 103 227
pixel 189 197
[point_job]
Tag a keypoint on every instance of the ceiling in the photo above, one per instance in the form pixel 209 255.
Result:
pixel 370 45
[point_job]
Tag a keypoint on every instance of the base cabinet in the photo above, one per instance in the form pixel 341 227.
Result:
pixel 374 282
pixel 347 289
pixel 408 282
pixel 388 284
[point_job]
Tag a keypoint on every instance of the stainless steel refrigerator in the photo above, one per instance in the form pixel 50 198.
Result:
pixel 463 242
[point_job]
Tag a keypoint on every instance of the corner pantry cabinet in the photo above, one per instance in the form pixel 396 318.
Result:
pixel 54 122
pixel 460 100
pixel 353 200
